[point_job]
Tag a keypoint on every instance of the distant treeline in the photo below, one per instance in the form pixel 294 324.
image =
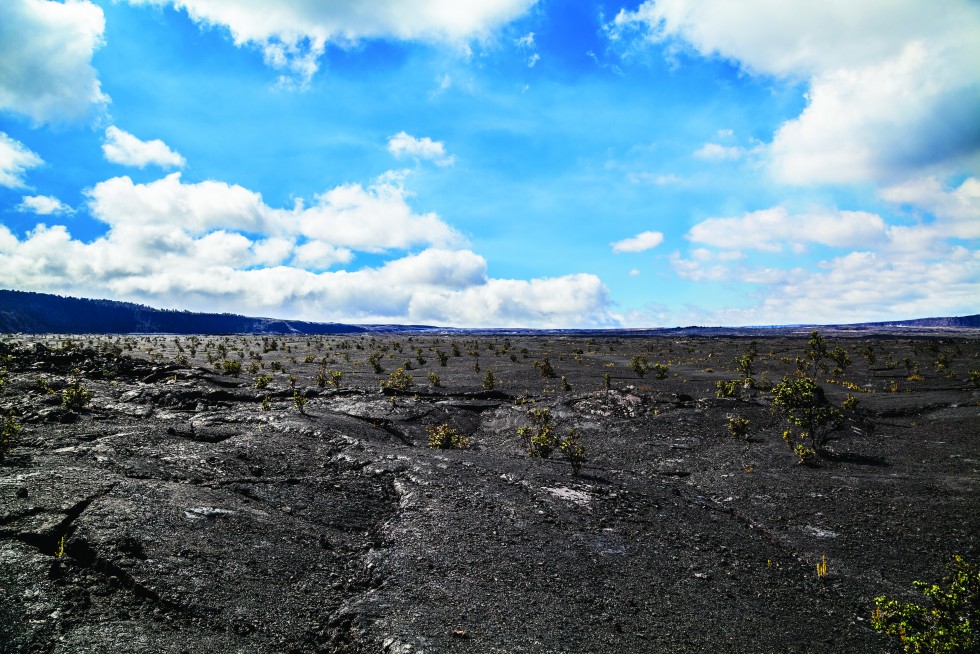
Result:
pixel 41 313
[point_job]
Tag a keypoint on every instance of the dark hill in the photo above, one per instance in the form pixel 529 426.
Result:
pixel 41 313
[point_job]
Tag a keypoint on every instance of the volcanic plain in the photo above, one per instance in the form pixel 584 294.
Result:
pixel 279 493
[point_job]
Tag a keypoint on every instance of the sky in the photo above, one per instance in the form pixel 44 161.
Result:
pixel 496 163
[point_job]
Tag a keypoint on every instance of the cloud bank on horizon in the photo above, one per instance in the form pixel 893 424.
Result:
pixel 499 163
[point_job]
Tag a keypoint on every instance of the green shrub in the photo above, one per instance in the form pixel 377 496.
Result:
pixel 947 624
pixel 8 433
pixel 444 437
pixel 399 380
pixel 660 371
pixel 975 378
pixel 738 426
pixel 262 381
pixel 231 367
pixel 75 396
pixel 574 451
pixel 565 386
pixel 489 382
pixel 803 404
pixel 299 401
pixel 375 361
pixel 540 439
pixel 433 379
pixel 639 365
pixel 544 367
pixel 731 388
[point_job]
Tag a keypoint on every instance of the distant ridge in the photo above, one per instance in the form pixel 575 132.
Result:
pixel 42 313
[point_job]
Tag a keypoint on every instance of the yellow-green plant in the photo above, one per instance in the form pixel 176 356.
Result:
pixel 399 380
pixel 75 396
pixel 8 433
pixel 822 566
pixel 262 381
pixel 444 437
pixel 489 381
pixel 574 451
pixel 947 624
pixel 231 367
pixel 803 404
pixel 545 368
pixel 738 426
pixel 299 401
pixel 731 388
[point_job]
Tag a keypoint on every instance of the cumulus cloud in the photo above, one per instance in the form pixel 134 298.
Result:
pixel 892 88
pixel 43 205
pixel 639 243
pixel 772 229
pixel 718 152
pixel 293 33
pixel 403 144
pixel 372 219
pixel 957 211
pixel 123 148
pixel 15 160
pixel 46 52
pixel 219 247
pixel 860 286
pixel 217 272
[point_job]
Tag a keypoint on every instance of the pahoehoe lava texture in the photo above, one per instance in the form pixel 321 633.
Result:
pixel 186 510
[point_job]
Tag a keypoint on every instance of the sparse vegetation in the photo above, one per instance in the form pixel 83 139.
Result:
pixel 947 624
pixel 399 380
pixel 544 367
pixel 444 437
pixel 299 401
pixel 804 405
pixel 738 427
pixel 730 389
pixel 75 397
pixel 8 433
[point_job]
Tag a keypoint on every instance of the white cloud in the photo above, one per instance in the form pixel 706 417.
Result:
pixel 403 144
pixel 15 160
pixel 717 152
pixel 526 41
pixel 372 219
pixel 957 210
pixel 293 33
pixel 217 272
pixel 857 287
pixel 639 243
pixel 46 52
pixel 123 148
pixel 634 272
pixel 772 229
pixel 219 247
pixel 893 88
pixel 43 205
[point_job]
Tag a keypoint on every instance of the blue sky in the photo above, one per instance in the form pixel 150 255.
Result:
pixel 502 163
